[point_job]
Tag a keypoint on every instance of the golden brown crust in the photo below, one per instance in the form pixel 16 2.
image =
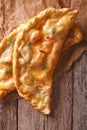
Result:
pixel 75 39
pixel 36 88
pixel 6 53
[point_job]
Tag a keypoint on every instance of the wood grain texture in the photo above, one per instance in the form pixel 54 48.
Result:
pixel 28 118
pixel 80 94
pixel 8 116
pixel 80 73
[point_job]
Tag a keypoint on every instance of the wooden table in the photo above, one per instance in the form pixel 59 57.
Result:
pixel 69 103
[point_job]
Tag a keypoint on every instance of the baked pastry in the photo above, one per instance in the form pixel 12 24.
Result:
pixel 6 86
pixel 36 52
pixel 74 37
pixel 6 55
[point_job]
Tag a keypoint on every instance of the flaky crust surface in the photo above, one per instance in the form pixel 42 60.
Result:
pixel 32 83
pixel 74 37
pixel 6 55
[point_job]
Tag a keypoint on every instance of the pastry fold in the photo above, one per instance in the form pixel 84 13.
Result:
pixel 28 55
pixel 36 52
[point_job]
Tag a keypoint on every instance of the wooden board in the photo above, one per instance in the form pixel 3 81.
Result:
pixel 69 103
pixel 80 74
pixel 80 94
pixel 8 116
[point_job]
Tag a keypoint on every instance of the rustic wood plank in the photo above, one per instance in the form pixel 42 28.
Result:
pixel 8 116
pixel 80 94
pixel 80 73
pixel 28 118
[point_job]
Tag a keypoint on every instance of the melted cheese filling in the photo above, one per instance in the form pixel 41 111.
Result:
pixel 45 41
pixel 37 54
pixel 7 55
pixel 5 85
pixel 6 80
